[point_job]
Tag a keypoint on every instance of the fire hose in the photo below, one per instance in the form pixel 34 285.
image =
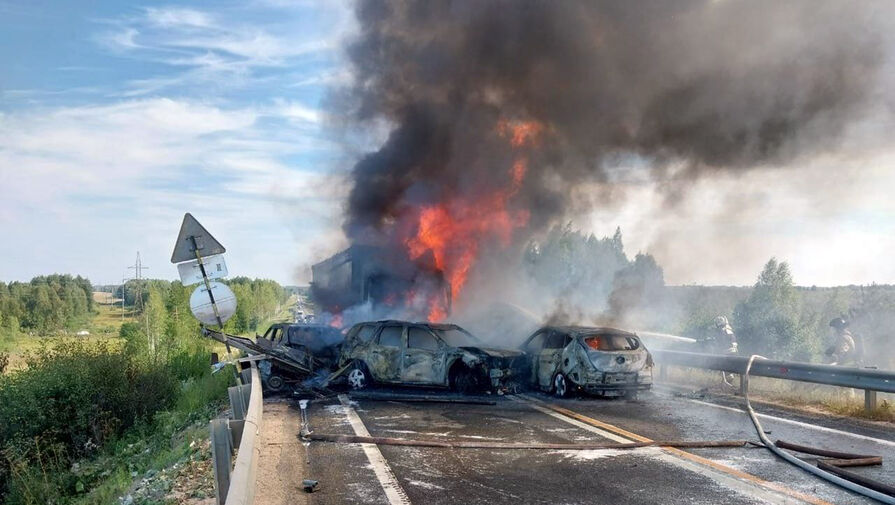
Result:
pixel 829 470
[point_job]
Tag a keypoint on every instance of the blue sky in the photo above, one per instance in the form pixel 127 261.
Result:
pixel 117 117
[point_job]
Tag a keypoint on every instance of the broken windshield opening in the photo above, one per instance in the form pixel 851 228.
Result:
pixel 611 343
pixel 456 337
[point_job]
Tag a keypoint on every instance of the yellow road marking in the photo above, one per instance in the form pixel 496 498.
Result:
pixel 683 454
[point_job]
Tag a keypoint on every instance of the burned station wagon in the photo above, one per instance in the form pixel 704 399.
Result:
pixel 604 361
pixel 424 354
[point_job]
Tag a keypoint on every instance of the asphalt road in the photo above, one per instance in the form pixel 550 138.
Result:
pixel 370 474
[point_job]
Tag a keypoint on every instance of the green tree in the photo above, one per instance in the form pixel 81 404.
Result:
pixel 575 267
pixel 769 321
pixel 636 286
pixel 155 321
pixel 135 342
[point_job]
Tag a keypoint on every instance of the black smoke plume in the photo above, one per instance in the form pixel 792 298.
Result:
pixel 673 89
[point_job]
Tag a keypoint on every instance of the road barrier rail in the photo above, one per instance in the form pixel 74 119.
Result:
pixel 868 379
pixel 238 435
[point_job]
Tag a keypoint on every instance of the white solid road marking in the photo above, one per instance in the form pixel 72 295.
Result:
pixel 746 488
pixel 799 423
pixel 393 490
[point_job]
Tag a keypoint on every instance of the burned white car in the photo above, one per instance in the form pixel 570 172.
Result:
pixel 424 354
pixel 603 361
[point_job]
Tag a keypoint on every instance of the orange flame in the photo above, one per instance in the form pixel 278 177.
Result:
pixel 453 230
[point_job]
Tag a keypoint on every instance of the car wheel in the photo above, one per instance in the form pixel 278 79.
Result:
pixel 358 377
pixel 465 382
pixel 631 395
pixel 275 383
pixel 560 386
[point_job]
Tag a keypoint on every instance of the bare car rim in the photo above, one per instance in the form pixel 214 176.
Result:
pixel 465 382
pixel 275 383
pixel 559 385
pixel 357 379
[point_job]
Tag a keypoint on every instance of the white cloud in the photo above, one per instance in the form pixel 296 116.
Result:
pixel 178 17
pixel 104 181
pixel 215 47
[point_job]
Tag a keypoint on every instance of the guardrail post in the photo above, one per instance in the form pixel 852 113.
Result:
pixel 663 372
pixel 239 400
pixel 869 400
pixel 221 453
pixel 742 385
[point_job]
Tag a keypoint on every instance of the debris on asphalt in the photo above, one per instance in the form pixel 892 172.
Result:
pixel 309 485
pixel 466 444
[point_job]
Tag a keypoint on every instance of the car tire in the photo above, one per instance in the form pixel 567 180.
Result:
pixel 465 381
pixel 631 395
pixel 359 377
pixel 275 383
pixel 561 386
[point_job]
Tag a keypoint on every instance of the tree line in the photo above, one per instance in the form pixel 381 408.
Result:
pixel 165 322
pixel 46 304
pixel 591 280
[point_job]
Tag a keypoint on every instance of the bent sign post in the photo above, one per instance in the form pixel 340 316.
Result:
pixel 196 247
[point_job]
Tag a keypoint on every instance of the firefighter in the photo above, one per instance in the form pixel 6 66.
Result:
pixel 843 351
pixel 722 339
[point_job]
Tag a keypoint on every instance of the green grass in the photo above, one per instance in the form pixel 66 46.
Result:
pixel 825 399
pixel 177 436
pixel 103 326
pixel 144 462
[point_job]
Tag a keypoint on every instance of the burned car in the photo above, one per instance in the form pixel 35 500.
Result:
pixel 309 347
pixel 425 354
pixel 603 361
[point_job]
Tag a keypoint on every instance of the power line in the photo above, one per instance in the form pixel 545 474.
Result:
pixel 138 277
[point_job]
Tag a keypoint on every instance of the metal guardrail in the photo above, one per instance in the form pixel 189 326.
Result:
pixel 238 435
pixel 870 380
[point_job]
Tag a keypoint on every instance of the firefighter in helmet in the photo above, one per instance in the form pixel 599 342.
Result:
pixel 843 351
pixel 722 338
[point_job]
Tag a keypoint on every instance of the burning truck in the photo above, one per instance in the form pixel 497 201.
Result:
pixel 387 282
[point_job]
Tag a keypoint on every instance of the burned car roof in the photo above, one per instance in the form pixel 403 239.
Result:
pixel 421 323
pixel 590 330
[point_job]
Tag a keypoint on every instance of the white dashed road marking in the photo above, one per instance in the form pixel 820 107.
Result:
pixel 393 490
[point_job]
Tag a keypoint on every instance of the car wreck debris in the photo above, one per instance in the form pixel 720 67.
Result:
pixel 425 354
pixel 603 361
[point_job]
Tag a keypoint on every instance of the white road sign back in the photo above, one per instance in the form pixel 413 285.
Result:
pixel 190 273
pixel 200 303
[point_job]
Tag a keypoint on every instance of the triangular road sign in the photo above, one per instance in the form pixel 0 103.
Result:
pixel 205 243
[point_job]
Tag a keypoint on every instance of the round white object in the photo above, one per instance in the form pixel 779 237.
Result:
pixel 200 303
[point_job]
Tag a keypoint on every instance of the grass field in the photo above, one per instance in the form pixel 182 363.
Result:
pixel 103 326
pixel 815 397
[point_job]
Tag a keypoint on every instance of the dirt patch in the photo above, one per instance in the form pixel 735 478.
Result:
pixel 281 465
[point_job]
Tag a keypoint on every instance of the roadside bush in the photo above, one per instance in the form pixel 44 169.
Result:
pixel 190 363
pixel 70 400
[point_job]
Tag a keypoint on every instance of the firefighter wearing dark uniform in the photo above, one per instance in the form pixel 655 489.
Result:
pixel 843 351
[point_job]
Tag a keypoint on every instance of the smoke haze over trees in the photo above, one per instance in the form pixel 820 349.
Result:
pixel 619 94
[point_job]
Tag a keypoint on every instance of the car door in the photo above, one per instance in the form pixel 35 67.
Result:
pixel 297 347
pixel 532 348
pixel 424 358
pixel 549 358
pixel 383 356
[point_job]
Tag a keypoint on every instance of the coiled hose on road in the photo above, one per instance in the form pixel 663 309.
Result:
pixel 823 474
